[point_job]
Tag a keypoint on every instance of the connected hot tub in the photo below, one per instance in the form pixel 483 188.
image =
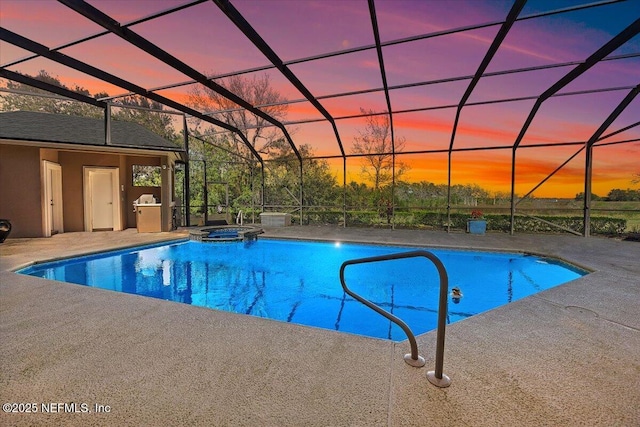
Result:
pixel 225 233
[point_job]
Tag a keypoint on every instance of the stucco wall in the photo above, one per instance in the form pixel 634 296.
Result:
pixel 72 180
pixel 134 192
pixel 49 154
pixel 20 189
pixel 22 186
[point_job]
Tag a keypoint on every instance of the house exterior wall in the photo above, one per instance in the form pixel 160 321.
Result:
pixel 49 155
pixel 134 192
pixel 72 178
pixel 72 163
pixel 21 195
pixel 22 183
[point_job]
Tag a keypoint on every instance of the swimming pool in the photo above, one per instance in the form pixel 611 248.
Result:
pixel 298 281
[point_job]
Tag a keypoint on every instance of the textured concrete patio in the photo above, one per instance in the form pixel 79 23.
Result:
pixel 567 356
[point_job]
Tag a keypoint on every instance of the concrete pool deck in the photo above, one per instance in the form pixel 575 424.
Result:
pixel 566 356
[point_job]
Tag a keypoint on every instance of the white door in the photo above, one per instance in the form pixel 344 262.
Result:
pixel 102 207
pixel 101 200
pixel 53 218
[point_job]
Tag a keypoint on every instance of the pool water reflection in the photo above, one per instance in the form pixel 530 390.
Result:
pixel 298 281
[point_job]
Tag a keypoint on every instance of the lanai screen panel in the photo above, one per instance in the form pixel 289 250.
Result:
pixel 572 118
pixel 302 29
pixel 49 23
pixel 438 57
pixel 491 125
pixel 318 136
pixel 608 160
pixel 628 122
pixel 132 64
pixel 406 18
pixel 430 49
pixel 71 78
pixel 428 130
pixel 427 94
pixel 426 167
pixel 326 27
pixel 622 72
pixel 202 37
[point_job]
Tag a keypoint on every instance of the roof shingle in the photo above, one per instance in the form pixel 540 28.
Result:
pixel 47 127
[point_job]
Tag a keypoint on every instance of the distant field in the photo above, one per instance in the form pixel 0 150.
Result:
pixel 568 212
pixel 627 210
pixel 630 211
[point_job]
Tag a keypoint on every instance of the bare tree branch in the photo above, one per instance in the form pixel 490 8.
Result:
pixel 374 142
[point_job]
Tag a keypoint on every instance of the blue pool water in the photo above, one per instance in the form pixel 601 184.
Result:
pixel 299 282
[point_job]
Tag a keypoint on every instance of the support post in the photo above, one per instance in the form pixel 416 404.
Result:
pixel 344 192
pixel 107 124
pixel 512 224
pixel 301 192
pixel 588 170
pixel 187 183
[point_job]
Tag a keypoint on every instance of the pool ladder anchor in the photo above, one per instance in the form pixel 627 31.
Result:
pixel 435 377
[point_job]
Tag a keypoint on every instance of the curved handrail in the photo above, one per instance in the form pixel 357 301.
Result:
pixel 435 377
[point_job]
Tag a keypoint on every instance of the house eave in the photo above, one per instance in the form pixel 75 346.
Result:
pixel 115 149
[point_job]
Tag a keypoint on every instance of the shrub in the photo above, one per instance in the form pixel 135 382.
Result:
pixel 437 220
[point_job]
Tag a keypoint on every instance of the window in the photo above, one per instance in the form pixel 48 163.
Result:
pixel 146 176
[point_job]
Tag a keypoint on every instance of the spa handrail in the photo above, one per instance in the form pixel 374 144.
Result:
pixel 435 377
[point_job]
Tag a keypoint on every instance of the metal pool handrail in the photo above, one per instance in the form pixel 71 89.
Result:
pixel 436 377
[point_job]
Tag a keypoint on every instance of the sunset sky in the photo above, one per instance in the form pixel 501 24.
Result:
pixel 203 37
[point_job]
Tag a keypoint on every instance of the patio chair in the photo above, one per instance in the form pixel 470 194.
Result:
pixel 5 229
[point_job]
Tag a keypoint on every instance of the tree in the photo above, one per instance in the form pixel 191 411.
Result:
pixel 281 164
pixel 146 176
pixel 421 194
pixel 156 122
pixel 256 91
pixel 580 196
pixel 319 184
pixel 211 156
pixel 468 194
pixel 619 195
pixel 501 197
pixel 374 144
pixel 231 149
pixel 31 101
pixel 358 196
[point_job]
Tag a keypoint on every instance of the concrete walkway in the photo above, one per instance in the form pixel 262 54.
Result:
pixel 567 356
